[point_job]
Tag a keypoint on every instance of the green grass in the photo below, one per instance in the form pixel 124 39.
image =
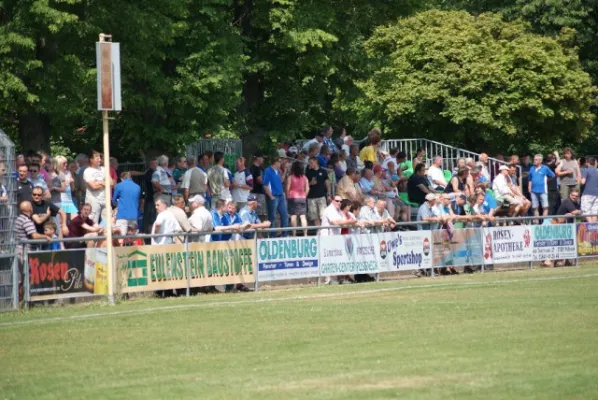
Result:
pixel 493 336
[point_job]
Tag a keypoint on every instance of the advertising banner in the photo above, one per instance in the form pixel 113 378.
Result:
pixel 287 258
pixel 406 251
pixel 587 239
pixel 462 247
pixel 554 242
pixel 149 268
pixel 508 244
pixel 351 254
pixel 62 272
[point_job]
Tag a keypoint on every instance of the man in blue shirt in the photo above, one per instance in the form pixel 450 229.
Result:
pixel 537 185
pixel 231 218
pixel 126 199
pixel 249 217
pixel 327 133
pixel 275 198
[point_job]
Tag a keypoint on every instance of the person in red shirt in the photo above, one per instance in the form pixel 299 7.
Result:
pixel 82 226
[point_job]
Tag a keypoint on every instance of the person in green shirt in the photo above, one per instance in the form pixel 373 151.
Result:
pixel 179 172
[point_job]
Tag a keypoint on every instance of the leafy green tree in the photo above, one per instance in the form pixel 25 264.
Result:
pixel 477 81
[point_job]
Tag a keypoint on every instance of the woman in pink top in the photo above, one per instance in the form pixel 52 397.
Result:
pixel 297 190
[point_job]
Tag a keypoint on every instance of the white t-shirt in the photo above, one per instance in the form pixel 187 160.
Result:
pixel 331 214
pixel 241 178
pixel 201 219
pixel 168 224
pixel 94 175
pixel 436 174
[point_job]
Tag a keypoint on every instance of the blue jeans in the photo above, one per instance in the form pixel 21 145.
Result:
pixel 279 204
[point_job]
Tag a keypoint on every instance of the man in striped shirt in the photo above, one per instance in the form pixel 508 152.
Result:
pixel 25 229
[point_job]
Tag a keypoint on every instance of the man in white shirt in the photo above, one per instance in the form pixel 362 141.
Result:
pixel 242 183
pixel 95 194
pixel 165 224
pixel 436 175
pixel 502 190
pixel 484 164
pixel 317 140
pixel 386 221
pixel 332 216
pixel 392 157
pixel 201 218
pixel 161 181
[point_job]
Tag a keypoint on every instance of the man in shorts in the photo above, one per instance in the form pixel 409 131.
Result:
pixel 503 193
pixel 589 197
pixel 538 186
pixel 319 190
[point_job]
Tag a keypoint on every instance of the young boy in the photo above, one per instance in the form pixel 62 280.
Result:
pixel 50 232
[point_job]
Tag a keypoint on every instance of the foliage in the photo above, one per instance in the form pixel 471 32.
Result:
pixel 454 77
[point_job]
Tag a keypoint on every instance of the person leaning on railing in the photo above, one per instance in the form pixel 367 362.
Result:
pixel 82 226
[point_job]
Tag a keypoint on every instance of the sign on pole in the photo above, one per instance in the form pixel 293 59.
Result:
pixel 108 64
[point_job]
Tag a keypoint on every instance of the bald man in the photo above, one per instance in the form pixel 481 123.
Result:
pixel 25 229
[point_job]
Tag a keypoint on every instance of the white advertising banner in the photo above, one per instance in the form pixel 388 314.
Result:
pixel 287 258
pixel 407 251
pixel 554 242
pixel 351 254
pixel 509 244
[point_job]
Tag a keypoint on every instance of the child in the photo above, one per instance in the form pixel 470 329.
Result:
pixel 50 232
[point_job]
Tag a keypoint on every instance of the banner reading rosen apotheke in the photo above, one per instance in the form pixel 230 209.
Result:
pixel 149 268
pixel 554 242
pixel 351 254
pixel 287 258
pixel 509 244
pixel 406 251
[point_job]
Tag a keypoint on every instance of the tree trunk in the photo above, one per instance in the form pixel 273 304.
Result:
pixel 34 131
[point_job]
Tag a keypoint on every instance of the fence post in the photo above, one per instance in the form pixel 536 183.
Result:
pixel 482 242
pixel 319 257
pixel 187 264
pixel 575 223
pixel 15 281
pixel 256 268
pixel 26 294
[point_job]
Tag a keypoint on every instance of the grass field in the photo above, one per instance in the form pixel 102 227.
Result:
pixel 500 335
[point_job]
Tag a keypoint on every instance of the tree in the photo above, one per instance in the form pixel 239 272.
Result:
pixel 475 81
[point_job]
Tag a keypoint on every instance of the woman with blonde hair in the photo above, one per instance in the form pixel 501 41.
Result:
pixel 62 186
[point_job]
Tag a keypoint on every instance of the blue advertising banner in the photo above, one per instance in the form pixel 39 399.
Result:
pixel 462 247
pixel 287 258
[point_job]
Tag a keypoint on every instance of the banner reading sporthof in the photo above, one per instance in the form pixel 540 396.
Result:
pixel 287 258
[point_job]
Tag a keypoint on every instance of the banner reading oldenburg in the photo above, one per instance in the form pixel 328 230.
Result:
pixel 287 258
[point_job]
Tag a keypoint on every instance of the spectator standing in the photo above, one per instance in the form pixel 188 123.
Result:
pixel 257 172
pixel 44 210
pixel 589 197
pixel 342 162
pixel 250 218
pixel 161 181
pixel 195 181
pixel 95 194
pixel 367 214
pixel 297 190
pixel 418 186
pixel 436 175
pixel 38 181
pixel 165 223
pixel 24 186
pixel 335 165
pixel 24 230
pixel 275 199
pixel 242 183
pixel 327 132
pixel 348 142
pixel 178 173
pixel 318 140
pixel 569 173
pixel 126 197
pixel 67 202
pixel 218 179
pixel 178 211
pixel 80 184
pixel 319 190
pixel 57 181
pixel 554 197
pixel 484 166
pixel 537 186
pixel 200 219
pixel 324 156
pixel 149 207
pixel 333 217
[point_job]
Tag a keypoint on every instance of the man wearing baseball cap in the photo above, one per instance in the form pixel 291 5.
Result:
pixel 249 217
pixel 502 190
pixel 426 213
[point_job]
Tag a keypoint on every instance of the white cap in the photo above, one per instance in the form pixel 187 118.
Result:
pixel 282 153
pixel 503 167
pixel 197 199
pixel 430 197
pixel 293 149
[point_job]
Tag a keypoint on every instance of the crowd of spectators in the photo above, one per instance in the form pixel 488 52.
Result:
pixel 330 182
